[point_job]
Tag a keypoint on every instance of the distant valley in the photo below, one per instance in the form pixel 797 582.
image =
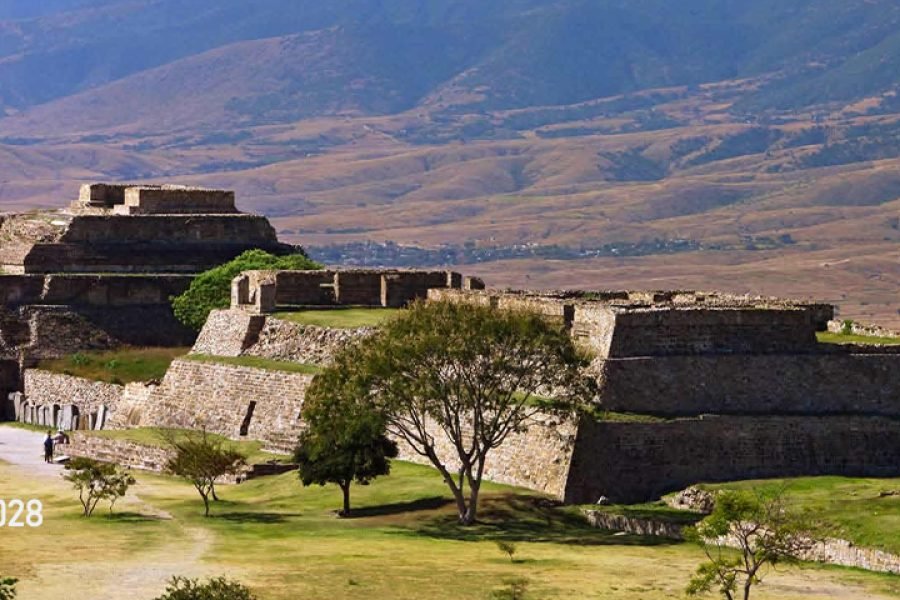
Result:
pixel 753 147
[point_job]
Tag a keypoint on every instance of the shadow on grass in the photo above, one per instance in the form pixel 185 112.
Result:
pixel 261 518
pixel 133 517
pixel 430 503
pixel 524 518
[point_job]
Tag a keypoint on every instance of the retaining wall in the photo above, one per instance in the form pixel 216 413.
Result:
pixel 634 461
pixel 195 395
pixel 812 384
pixel 537 458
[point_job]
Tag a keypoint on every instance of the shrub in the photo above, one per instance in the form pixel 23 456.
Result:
pixel 96 481
pixel 7 588
pixel 515 589
pixel 212 289
pixel 507 548
pixel 847 327
pixel 219 588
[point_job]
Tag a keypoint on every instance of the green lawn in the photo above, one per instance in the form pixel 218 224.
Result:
pixel 826 337
pixel 257 363
pixel 854 505
pixel 340 318
pixel 403 544
pixel 116 366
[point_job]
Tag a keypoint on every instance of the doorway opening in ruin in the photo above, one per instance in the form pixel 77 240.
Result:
pixel 76 417
pixel 56 417
pixel 245 426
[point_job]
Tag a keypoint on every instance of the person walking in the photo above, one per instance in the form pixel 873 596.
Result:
pixel 48 447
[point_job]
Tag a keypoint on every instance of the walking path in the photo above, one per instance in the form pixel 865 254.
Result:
pixel 137 577
pixel 25 449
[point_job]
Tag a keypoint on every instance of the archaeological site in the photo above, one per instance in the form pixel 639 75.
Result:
pixel 694 387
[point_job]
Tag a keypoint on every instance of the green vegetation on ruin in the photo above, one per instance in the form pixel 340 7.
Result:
pixel 865 511
pixel 212 289
pixel 257 362
pixel 121 366
pixel 340 318
pixel 826 337
pixel 284 542
pixel 157 437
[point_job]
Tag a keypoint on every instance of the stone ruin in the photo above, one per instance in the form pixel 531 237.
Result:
pixel 693 386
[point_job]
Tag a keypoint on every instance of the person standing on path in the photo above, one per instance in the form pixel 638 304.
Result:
pixel 48 447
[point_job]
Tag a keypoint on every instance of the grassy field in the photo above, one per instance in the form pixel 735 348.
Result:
pixel 116 366
pixel 340 318
pixel 285 542
pixel 826 337
pixel 858 507
pixel 156 436
pixel 257 363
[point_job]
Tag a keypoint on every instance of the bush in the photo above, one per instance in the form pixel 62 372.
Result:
pixel 219 588
pixel 212 289
pixel 847 327
pixel 7 588
pixel 96 481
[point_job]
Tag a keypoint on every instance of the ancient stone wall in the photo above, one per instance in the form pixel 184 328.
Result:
pixel 812 384
pixel 119 452
pixel 308 344
pixel 91 290
pixel 230 400
pixel 635 461
pixel 158 200
pixel 228 332
pixel 353 287
pixel 60 401
pixel 537 458
pixel 659 332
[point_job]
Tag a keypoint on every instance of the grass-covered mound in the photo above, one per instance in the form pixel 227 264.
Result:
pixel 120 366
pixel 212 289
pixel 827 337
pixel 340 318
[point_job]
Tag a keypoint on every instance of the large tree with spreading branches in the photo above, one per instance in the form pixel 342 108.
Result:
pixel 463 377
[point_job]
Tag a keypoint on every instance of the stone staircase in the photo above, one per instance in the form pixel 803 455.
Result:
pixel 280 442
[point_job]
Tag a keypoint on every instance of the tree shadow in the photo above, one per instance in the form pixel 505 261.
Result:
pixel 133 517
pixel 261 518
pixel 525 518
pixel 382 510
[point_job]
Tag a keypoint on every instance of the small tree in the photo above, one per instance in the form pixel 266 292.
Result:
pixel 96 481
pixel 745 534
pixel 7 588
pixel 344 440
pixel 507 548
pixel 201 459
pixel 470 374
pixel 219 588
pixel 212 289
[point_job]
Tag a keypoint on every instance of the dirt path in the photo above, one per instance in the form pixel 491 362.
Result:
pixel 140 576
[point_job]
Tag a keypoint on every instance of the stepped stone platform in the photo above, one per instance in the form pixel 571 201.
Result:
pixel 101 272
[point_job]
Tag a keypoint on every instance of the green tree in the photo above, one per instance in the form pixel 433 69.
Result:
pixel 465 373
pixel 96 481
pixel 7 588
pixel 344 440
pixel 219 588
pixel 212 289
pixel 201 458
pixel 744 535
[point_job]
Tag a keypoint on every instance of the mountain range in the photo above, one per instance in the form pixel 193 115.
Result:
pixel 749 146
